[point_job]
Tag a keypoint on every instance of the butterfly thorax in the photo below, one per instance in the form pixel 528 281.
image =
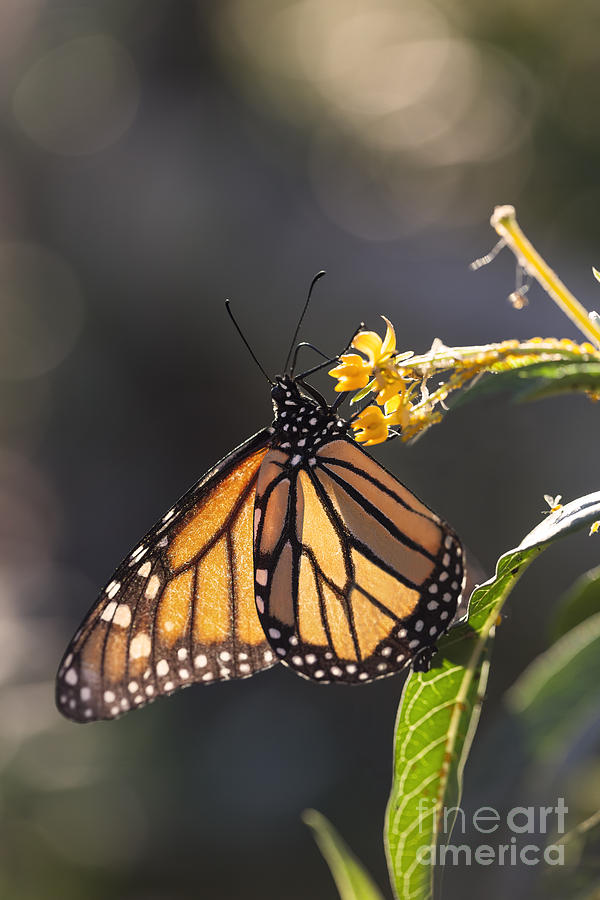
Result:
pixel 301 424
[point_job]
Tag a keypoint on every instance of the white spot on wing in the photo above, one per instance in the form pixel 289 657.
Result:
pixel 108 613
pixel 122 615
pixel 112 589
pixel 152 587
pixel 140 646
pixel 138 553
pixel 162 667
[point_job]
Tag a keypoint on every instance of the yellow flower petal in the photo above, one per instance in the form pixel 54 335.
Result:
pixel 369 343
pixel 351 383
pixel 388 388
pixel 393 404
pixel 398 410
pixel 370 426
pixel 353 373
pixel 348 360
pixel 388 347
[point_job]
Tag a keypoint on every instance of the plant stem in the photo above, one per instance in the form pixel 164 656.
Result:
pixel 582 828
pixel 504 221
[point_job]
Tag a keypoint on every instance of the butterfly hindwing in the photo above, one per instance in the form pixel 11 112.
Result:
pixel 355 577
pixel 180 608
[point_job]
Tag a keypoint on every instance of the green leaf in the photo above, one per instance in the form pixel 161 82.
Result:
pixel 580 602
pixel 439 711
pixel 436 723
pixel 352 881
pixel 537 380
pixel 570 378
pixel 363 393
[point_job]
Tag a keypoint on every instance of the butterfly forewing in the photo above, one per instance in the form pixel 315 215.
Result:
pixel 180 608
pixel 355 577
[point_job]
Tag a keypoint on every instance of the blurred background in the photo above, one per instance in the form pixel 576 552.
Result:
pixel 156 158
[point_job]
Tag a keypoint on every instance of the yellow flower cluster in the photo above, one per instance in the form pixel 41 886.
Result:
pixel 399 380
pixel 376 370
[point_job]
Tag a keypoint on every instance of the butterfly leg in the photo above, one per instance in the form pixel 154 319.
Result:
pixel 422 661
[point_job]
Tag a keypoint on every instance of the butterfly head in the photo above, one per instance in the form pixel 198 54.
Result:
pixel 288 402
pixel 301 423
pixel 285 392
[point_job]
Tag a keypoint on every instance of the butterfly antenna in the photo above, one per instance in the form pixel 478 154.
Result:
pixel 310 290
pixel 249 348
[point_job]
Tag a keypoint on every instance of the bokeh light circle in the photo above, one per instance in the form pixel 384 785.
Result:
pixel 80 97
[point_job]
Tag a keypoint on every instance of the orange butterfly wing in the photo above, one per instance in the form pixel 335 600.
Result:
pixel 355 577
pixel 180 608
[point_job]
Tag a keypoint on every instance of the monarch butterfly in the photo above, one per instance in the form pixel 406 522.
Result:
pixel 297 548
